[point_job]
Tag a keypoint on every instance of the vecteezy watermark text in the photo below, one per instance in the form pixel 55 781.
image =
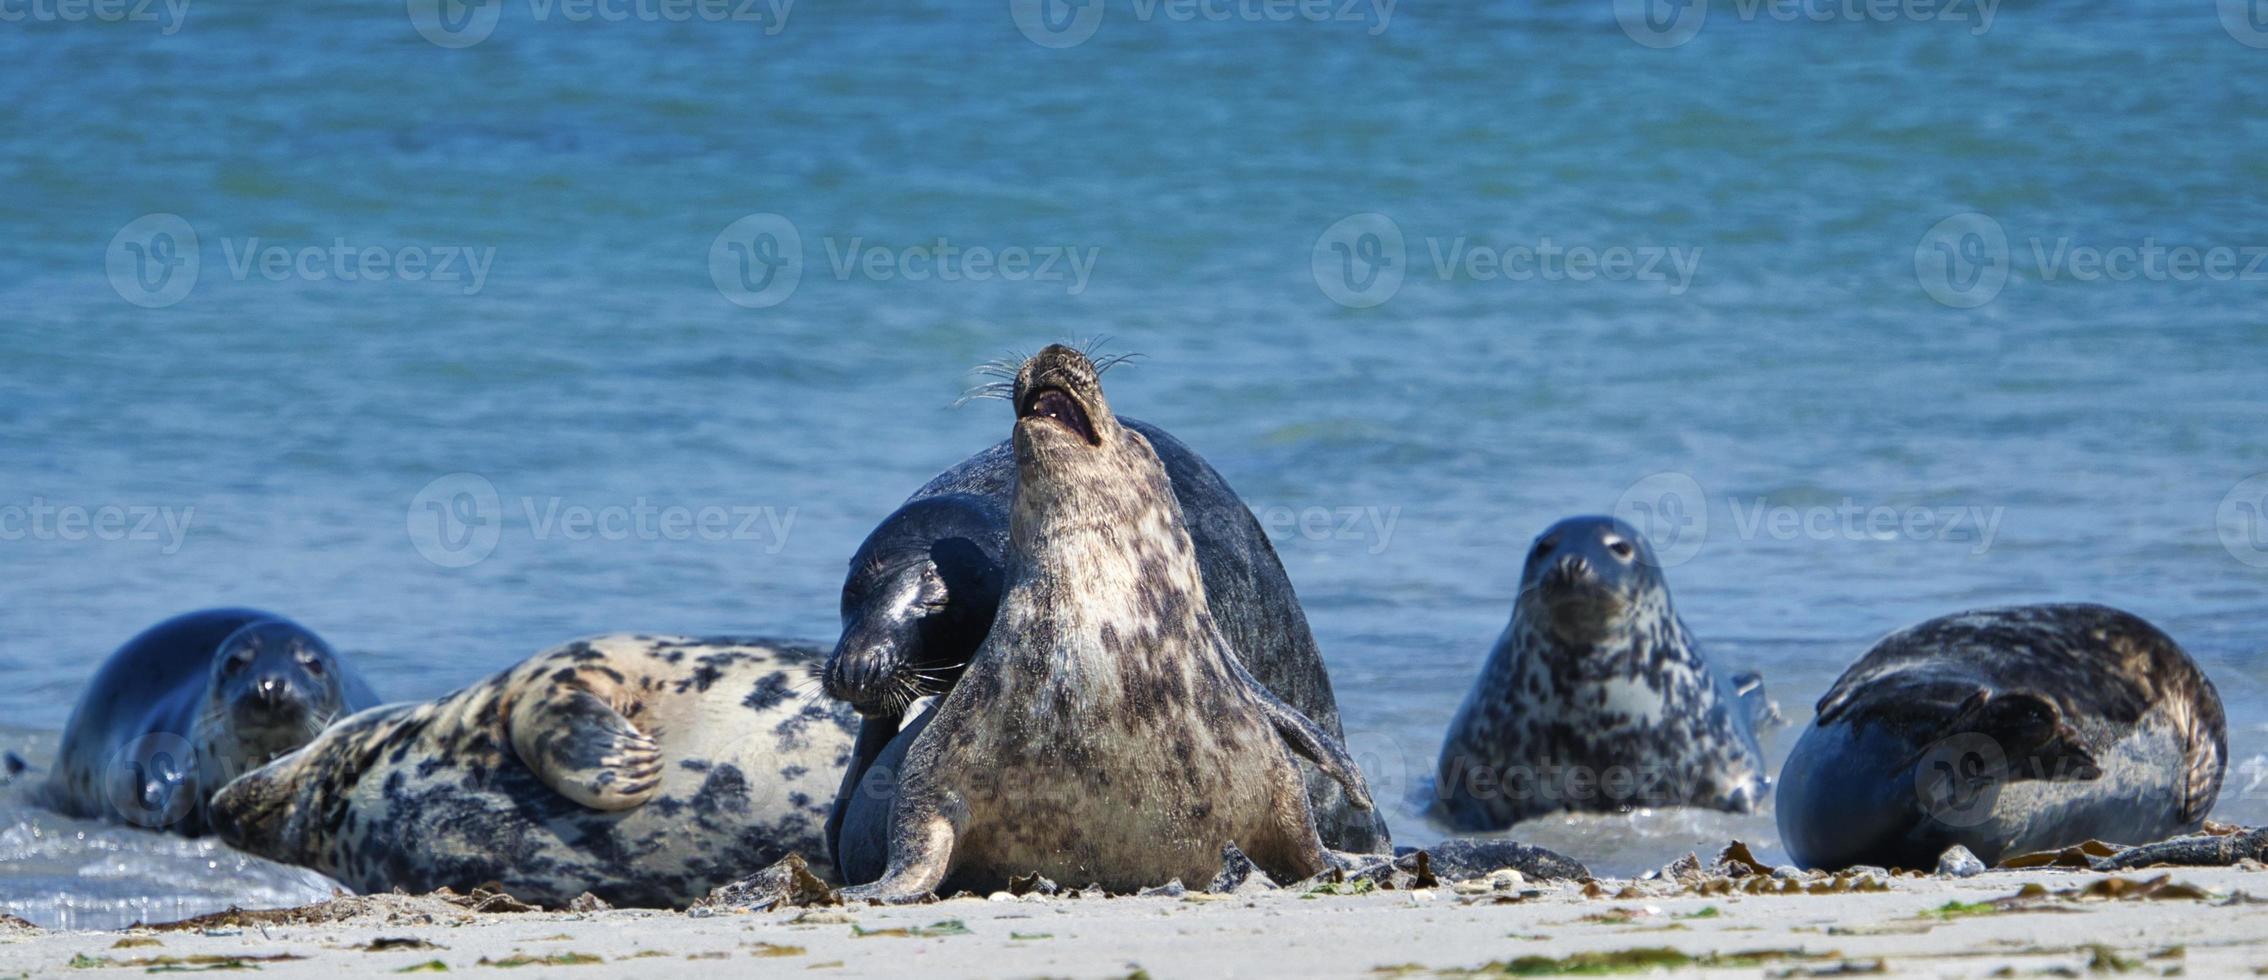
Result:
pixel 1362 260
pixel 169 15
pixel 1965 260
pixel 155 261
pixel 1069 23
pixel 1670 23
pixel 1673 512
pixel 458 520
pixel 757 261
pixel 464 23
pixel 41 520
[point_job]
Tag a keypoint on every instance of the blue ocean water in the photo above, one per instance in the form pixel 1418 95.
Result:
pixel 455 332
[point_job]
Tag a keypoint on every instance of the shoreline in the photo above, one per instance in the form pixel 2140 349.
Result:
pixel 2203 921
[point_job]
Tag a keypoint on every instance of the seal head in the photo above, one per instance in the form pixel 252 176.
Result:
pixel 921 593
pixel 1596 698
pixel 274 686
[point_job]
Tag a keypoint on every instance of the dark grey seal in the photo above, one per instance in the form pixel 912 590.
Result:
pixel 924 587
pixel 190 704
pixel 646 770
pixel 2006 731
pixel 1596 698
pixel 1105 731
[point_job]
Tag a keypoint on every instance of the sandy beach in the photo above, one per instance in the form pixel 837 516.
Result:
pixel 2042 922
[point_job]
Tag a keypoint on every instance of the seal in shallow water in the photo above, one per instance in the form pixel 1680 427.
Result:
pixel 924 588
pixel 1104 732
pixel 2007 731
pixel 1597 698
pixel 190 704
pixel 646 770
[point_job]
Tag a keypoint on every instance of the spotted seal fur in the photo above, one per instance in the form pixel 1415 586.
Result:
pixel 189 704
pixel 1104 732
pixel 646 770
pixel 1597 698
pixel 924 587
pixel 2006 731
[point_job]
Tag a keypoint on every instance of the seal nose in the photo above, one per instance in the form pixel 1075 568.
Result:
pixel 272 691
pixel 1569 570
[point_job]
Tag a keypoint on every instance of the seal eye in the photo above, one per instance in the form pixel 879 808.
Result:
pixel 236 662
pixel 1621 548
pixel 1058 405
pixel 312 665
pixel 1543 547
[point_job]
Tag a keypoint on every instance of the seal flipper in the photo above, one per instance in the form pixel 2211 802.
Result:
pixel 585 750
pixel 1305 737
pixel 2030 732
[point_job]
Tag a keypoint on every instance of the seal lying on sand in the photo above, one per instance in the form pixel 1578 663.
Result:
pixel 2006 731
pixel 924 588
pixel 643 769
pixel 1597 698
pixel 1104 732
pixel 190 704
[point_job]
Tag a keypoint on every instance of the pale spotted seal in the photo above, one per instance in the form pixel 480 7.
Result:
pixel 924 587
pixel 643 769
pixel 2006 731
pixel 188 705
pixel 1597 698
pixel 1104 732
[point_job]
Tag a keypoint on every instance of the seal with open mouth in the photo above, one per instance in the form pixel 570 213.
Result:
pixel 2006 731
pixel 1104 732
pixel 1596 698
pixel 924 587
pixel 646 770
pixel 190 704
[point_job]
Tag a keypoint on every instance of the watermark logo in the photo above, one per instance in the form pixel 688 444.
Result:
pixel 456 520
pixel 1069 23
pixel 1671 23
pixel 153 261
pixel 147 783
pixel 1359 261
pixel 2243 521
pixel 757 261
pixel 169 15
pixel 44 521
pixel 1661 23
pixel 1670 510
pixel 1362 260
pixel 2246 21
pixel 1963 261
pixel 156 259
pixel 1958 779
pixel 1056 23
pixel 455 24
pixel 459 24
pixel 1673 514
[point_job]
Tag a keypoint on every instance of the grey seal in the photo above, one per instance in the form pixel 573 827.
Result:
pixel 925 585
pixel 645 770
pixel 2006 731
pixel 1105 731
pixel 189 704
pixel 1597 698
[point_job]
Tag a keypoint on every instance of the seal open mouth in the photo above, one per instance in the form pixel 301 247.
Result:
pixel 1056 404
